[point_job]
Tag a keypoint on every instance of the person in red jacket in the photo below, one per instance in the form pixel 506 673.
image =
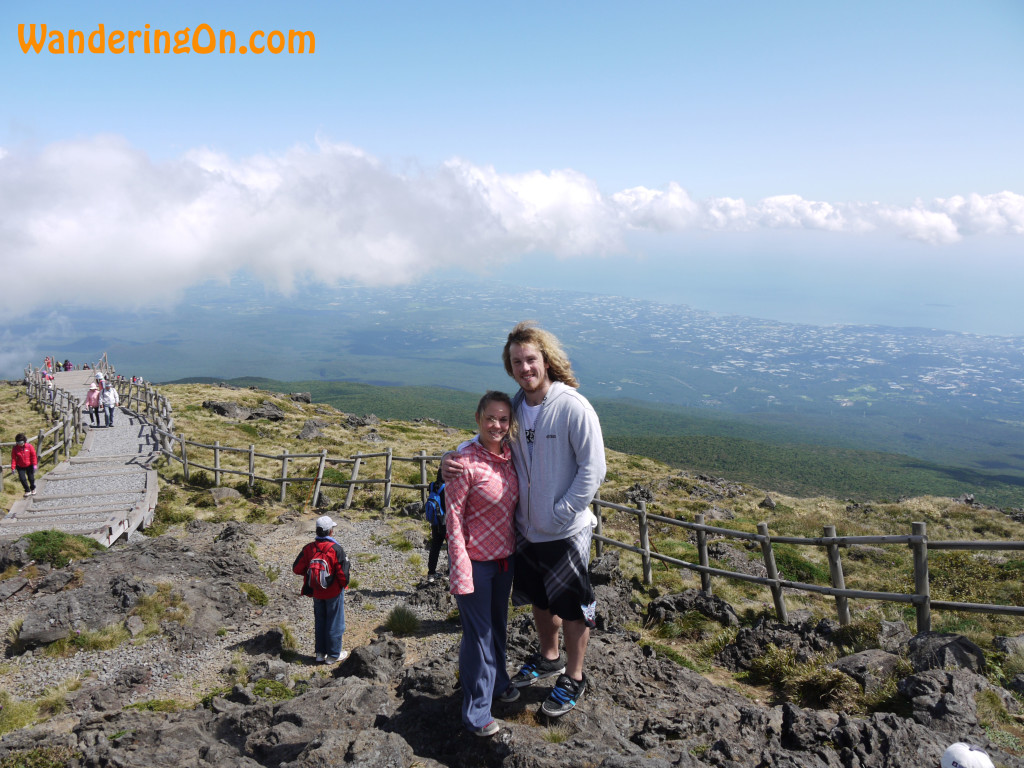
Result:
pixel 325 569
pixel 25 462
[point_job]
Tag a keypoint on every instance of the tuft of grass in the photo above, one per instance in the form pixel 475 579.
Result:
pixel 58 548
pixel 162 605
pixel 15 713
pixel 158 705
pixel 98 640
pixel 255 595
pixel 40 757
pixel 556 734
pixel 402 621
pixel 288 640
pixel 274 690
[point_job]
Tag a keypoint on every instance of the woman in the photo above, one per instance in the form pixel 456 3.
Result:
pixel 92 404
pixel 109 399
pixel 481 506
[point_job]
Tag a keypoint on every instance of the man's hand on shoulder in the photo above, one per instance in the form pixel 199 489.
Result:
pixel 451 467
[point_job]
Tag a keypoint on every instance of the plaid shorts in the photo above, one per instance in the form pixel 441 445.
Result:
pixel 554 576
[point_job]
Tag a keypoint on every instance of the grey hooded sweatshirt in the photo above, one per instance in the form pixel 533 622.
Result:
pixel 558 481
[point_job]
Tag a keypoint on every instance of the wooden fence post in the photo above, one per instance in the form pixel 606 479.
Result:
pixel 319 476
pixel 835 569
pixel 284 475
pixel 252 464
pixel 184 455
pixel 352 480
pixel 387 478
pixel 216 463
pixel 921 584
pixel 423 477
pixel 702 555
pixel 645 543
pixel 773 573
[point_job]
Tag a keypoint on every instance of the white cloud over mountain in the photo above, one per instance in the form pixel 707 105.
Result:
pixel 100 220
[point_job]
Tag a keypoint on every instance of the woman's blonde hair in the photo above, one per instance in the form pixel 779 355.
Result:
pixel 559 367
pixel 494 396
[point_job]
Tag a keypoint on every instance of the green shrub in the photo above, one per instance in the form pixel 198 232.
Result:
pixel 274 690
pixel 200 479
pixel 256 595
pixel 402 621
pixel 58 548
pixel 162 605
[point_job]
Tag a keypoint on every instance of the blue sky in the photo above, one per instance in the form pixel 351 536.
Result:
pixel 811 162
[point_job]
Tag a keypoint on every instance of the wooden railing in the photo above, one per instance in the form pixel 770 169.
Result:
pixel 917 540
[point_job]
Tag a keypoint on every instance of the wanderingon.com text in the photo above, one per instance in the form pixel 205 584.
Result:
pixel 202 39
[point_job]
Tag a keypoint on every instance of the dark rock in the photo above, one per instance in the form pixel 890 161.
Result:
pixel 935 650
pixel 223 495
pixel 301 397
pixel 311 430
pixel 231 410
pixel 1009 645
pixel 664 609
pixel 872 668
pixel 10 587
pixel 14 554
pixel 637 493
pixel 379 660
pixel 362 421
pixel 767 503
pixel 267 410
pixel 944 700
pixel 893 635
pixel 269 642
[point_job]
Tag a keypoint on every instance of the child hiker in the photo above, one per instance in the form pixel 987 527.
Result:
pixel 325 569
pixel 25 462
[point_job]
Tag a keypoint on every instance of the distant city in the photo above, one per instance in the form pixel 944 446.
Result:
pixel 938 391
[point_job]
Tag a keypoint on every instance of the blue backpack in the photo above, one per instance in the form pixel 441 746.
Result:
pixel 434 509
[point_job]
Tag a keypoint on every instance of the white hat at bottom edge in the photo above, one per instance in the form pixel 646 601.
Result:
pixel 960 755
pixel 325 523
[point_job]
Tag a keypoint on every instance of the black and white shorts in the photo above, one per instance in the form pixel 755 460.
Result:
pixel 553 576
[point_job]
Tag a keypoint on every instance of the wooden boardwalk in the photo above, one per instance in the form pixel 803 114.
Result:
pixel 105 492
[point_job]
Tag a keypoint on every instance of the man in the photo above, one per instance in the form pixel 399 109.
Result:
pixel 325 570
pixel 560 463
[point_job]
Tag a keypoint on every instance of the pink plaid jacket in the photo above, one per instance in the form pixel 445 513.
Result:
pixel 481 510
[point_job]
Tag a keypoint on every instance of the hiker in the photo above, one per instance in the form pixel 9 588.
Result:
pixel 92 404
pixel 325 570
pixel 438 536
pixel 481 505
pixel 25 462
pixel 559 473
pixel 109 399
pixel 67 365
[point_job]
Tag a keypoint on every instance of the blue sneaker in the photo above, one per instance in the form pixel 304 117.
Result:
pixel 538 668
pixel 563 696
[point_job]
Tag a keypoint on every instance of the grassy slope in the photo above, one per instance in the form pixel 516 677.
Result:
pixel 778 456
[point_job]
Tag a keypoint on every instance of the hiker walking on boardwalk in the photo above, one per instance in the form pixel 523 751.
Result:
pixel 325 570
pixel 560 462
pixel 25 462
pixel 109 399
pixel 481 505
pixel 92 404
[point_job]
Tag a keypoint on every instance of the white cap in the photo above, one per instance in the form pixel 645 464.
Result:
pixel 960 755
pixel 325 523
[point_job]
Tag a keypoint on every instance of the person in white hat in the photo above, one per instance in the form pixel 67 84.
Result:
pixel 961 755
pixel 325 569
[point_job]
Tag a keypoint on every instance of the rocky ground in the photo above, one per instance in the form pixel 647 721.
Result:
pixel 394 702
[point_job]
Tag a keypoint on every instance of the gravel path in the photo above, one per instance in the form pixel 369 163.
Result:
pixel 384 578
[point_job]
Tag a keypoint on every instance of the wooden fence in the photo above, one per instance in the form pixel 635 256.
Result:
pixel 255 466
pixel 917 541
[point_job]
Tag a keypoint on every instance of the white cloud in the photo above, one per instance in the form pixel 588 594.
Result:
pixel 99 220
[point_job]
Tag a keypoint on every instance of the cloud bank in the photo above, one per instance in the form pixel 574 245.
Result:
pixel 99 220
